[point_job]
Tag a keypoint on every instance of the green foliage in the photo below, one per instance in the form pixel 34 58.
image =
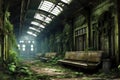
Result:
pixel 12 67
pixel 59 42
pixel 119 67
pixel 11 45
pixel 67 38
pixel 18 70
pixel 12 57
pixel 54 60
pixel 4 76
pixel 80 21
pixel 100 9
pixel 8 26
pixel 43 77
pixel 12 39
pixel 24 70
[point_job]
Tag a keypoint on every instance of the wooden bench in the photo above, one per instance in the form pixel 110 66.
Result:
pixel 85 59
pixel 48 56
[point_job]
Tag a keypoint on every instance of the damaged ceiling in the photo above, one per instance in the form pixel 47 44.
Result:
pixel 33 16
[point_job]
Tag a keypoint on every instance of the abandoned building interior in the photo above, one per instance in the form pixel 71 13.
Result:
pixel 79 33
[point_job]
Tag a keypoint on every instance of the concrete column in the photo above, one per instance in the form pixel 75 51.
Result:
pixel 89 29
pixel 118 8
pixel 117 31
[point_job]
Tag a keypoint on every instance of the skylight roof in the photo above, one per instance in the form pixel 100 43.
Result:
pixel 42 18
pixel 37 24
pixel 32 28
pixel 57 10
pixel 31 33
pixel 50 7
pixel 66 1
pixel 46 6
pixel 42 26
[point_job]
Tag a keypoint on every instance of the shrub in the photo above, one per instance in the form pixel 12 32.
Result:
pixel 12 57
pixel 12 67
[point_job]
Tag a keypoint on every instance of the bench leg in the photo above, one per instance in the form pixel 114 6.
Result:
pixel 106 66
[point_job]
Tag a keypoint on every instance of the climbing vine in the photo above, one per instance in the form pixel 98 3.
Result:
pixel 10 45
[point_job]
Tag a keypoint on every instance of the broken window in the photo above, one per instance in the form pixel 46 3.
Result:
pixel 80 39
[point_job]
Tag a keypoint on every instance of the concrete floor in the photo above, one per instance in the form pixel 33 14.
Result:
pixel 57 73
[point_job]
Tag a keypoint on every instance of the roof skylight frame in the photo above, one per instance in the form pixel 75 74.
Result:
pixel 53 8
pixel 31 33
pixel 32 28
pixel 37 24
pixel 41 26
pixel 66 1
pixel 57 10
pixel 46 6
pixel 42 17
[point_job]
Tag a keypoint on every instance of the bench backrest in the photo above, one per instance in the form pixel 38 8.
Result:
pixel 50 55
pixel 94 56
pixel 76 55
pixel 90 56
pixel 70 55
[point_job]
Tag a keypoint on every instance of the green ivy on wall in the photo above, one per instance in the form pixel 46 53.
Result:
pixel 10 45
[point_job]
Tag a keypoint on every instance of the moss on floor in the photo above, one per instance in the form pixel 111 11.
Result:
pixel 45 69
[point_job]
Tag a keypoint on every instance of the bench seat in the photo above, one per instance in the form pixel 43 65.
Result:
pixel 73 62
pixel 89 59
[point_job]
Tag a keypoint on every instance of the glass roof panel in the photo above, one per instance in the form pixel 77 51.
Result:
pixel 47 20
pixel 57 10
pixel 51 16
pixel 30 33
pixel 39 16
pixel 46 6
pixel 66 1
pixel 37 24
pixel 32 28
pixel 41 26
pixel 52 9
pixel 42 18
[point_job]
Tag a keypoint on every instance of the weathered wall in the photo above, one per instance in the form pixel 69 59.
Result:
pixel 0 23
pixel 102 30
pixel 106 16
pixel 95 28
pixel 59 42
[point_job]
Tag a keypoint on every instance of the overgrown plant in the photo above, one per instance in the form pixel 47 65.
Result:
pixel 119 67
pixel 12 57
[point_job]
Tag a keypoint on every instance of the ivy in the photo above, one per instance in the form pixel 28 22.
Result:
pixel 10 39
pixel 8 26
